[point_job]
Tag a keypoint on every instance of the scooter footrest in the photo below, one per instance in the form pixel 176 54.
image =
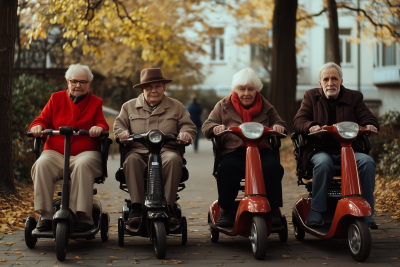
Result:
pixel 277 229
pixel 38 234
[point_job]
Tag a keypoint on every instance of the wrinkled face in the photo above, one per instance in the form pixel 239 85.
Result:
pixel 330 82
pixel 78 84
pixel 153 92
pixel 247 94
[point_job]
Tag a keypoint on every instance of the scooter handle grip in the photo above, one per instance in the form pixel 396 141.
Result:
pixel 30 134
pixel 86 133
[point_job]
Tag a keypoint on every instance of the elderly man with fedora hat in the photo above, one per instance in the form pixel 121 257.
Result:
pixel 153 110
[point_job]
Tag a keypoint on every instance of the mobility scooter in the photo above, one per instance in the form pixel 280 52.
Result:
pixel 253 216
pixel 64 219
pixel 346 206
pixel 155 223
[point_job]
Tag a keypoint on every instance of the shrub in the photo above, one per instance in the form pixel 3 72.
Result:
pixel 29 96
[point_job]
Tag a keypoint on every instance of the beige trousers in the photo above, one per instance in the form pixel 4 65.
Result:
pixel 83 169
pixel 134 167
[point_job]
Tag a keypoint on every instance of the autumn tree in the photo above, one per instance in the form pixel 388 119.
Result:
pixel 8 14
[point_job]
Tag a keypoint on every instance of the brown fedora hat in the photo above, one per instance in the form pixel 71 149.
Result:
pixel 151 76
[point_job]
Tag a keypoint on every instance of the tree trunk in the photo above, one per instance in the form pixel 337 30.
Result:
pixel 334 31
pixel 282 94
pixel 8 19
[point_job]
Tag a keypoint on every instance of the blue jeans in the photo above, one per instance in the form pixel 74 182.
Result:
pixel 323 175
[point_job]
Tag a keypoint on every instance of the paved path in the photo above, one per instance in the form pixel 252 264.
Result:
pixel 229 251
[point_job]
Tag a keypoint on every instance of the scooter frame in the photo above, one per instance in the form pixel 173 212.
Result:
pixel 154 222
pixel 253 210
pixel 64 220
pixel 350 209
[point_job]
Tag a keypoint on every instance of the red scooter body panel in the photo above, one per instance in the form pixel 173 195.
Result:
pixel 353 206
pixel 350 179
pixel 254 182
pixel 248 207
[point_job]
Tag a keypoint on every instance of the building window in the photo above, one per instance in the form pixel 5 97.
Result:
pixel 344 47
pixel 388 54
pixel 218 45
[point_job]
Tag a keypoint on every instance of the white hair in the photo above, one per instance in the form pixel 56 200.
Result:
pixel 78 67
pixel 246 76
pixel 330 65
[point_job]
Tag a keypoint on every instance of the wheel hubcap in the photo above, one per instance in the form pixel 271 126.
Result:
pixel 354 238
pixel 253 237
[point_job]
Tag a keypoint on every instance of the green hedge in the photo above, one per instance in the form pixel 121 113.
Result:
pixel 29 96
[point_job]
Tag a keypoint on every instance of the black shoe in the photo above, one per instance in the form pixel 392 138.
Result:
pixel 44 225
pixel 135 215
pixel 276 217
pixel 83 227
pixel 371 223
pixel 314 219
pixel 226 218
pixel 173 217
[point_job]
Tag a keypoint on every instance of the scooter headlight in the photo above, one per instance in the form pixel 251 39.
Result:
pixel 252 130
pixel 347 130
pixel 155 136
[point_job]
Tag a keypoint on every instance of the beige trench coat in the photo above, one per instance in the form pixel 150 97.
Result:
pixel 171 117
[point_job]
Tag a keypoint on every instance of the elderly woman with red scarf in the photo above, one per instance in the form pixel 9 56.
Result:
pixel 244 104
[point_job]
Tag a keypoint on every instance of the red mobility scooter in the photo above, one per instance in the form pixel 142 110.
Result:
pixel 346 207
pixel 253 216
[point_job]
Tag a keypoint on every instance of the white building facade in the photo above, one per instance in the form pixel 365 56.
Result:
pixel 378 66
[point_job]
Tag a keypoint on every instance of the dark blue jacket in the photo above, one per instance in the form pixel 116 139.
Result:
pixel 195 111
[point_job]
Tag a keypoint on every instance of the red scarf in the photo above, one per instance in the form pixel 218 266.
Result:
pixel 247 114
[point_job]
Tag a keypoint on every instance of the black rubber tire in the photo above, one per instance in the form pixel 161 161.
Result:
pixel 298 232
pixel 359 239
pixel 214 234
pixel 121 232
pixel 258 237
pixel 62 235
pixel 30 225
pixel 283 234
pixel 105 227
pixel 159 239
pixel 184 230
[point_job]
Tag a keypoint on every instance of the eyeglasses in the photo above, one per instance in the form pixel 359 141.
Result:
pixel 150 88
pixel 82 83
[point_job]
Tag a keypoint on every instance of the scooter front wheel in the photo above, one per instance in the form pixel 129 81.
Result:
pixel 283 234
pixel 298 232
pixel 62 235
pixel 30 225
pixel 258 237
pixel 159 239
pixel 214 234
pixel 105 226
pixel 359 239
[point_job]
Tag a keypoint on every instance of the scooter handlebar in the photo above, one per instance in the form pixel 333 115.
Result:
pixel 80 132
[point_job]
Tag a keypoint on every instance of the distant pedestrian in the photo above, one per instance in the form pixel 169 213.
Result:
pixel 195 110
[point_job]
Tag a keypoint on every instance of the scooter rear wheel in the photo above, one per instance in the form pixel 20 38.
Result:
pixel 214 234
pixel 359 239
pixel 159 239
pixel 258 237
pixel 184 230
pixel 121 232
pixel 62 235
pixel 30 225
pixel 298 232
pixel 105 226
pixel 283 234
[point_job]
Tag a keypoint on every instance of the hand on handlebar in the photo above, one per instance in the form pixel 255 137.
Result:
pixel 316 128
pixel 37 131
pixel 123 136
pixel 218 129
pixel 183 136
pixel 95 131
pixel 278 128
pixel 372 128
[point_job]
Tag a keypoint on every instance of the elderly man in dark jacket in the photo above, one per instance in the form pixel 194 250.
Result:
pixel 330 104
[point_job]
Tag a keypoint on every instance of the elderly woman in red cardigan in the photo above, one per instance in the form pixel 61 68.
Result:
pixel 76 107
pixel 244 104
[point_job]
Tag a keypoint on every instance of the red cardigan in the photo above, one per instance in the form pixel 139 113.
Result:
pixel 61 111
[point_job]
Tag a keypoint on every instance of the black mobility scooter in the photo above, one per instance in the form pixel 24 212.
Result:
pixel 155 222
pixel 64 219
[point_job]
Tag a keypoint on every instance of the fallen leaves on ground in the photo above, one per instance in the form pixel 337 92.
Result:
pixel 3 260
pixel 13 211
pixel 172 261
pixel 387 197
pixel 301 259
pixel 327 258
pixel 286 256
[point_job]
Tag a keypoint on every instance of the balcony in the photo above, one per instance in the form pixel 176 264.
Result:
pixel 388 75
